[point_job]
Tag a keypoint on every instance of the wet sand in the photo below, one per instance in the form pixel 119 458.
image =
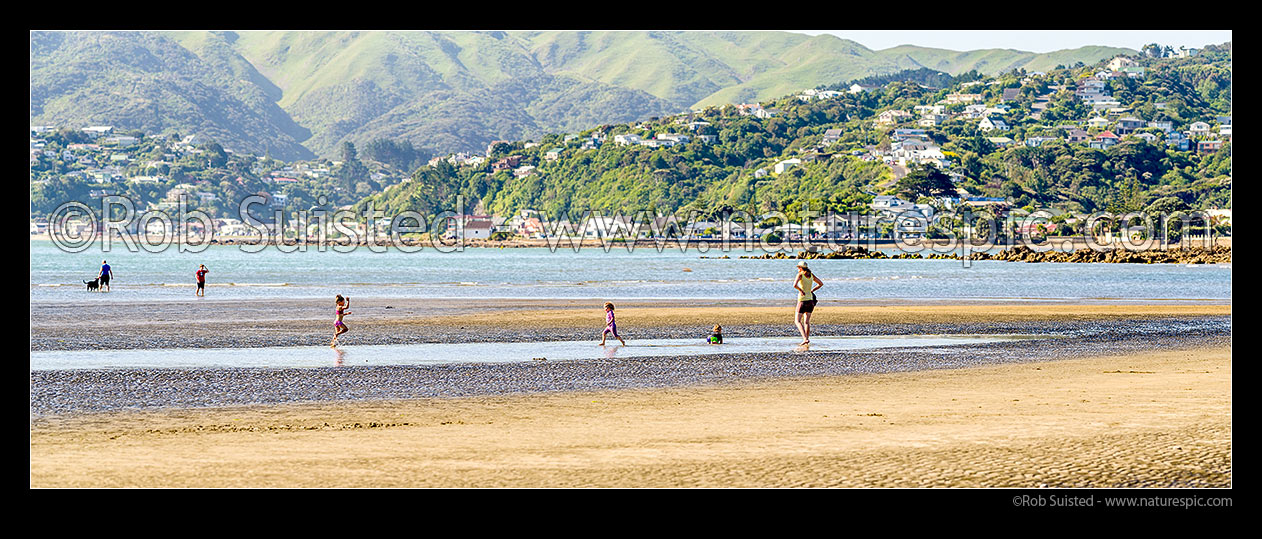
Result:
pixel 1152 418
pixel 220 323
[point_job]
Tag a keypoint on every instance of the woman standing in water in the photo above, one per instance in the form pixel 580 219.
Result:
pixel 806 284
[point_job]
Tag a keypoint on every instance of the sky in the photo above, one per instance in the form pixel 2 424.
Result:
pixel 1028 40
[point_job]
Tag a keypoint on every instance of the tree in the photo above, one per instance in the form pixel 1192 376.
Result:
pixel 215 155
pixel 925 181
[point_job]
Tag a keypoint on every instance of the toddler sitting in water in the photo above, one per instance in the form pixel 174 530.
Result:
pixel 610 325
pixel 717 336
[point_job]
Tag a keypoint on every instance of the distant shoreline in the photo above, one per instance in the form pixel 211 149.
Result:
pixel 1060 243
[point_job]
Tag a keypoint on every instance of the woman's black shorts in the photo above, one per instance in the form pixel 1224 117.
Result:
pixel 806 306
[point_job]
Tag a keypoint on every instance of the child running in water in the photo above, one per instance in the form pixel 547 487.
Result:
pixel 610 326
pixel 339 327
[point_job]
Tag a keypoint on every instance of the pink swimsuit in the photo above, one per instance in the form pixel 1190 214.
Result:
pixel 612 327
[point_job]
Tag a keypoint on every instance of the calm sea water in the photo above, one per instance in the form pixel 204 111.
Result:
pixel 57 276
pixel 496 352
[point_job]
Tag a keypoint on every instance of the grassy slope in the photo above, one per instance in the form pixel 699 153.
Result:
pixel 993 61
pixel 349 85
pixel 149 82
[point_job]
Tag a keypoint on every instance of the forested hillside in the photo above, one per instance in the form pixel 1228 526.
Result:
pixel 735 168
pixel 299 94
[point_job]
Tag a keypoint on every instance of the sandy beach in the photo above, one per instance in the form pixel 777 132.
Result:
pixel 1147 419
pixel 1128 395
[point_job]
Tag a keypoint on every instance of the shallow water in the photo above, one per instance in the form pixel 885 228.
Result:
pixel 56 276
pixel 457 353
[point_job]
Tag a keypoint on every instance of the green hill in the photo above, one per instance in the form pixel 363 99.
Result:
pixel 994 61
pixel 144 81
pixel 295 94
pixel 735 167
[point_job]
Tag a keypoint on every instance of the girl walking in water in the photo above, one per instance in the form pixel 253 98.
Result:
pixel 339 327
pixel 806 284
pixel 610 326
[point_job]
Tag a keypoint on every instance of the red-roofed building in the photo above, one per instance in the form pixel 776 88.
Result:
pixel 1104 140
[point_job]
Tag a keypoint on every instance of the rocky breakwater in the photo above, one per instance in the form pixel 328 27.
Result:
pixel 1186 255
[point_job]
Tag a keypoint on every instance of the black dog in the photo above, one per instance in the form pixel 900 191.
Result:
pixel 94 284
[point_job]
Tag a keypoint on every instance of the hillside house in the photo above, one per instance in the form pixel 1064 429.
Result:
pixel 786 165
pixel 891 117
pixel 992 124
pixel 932 120
pixel 627 139
pixel 506 163
pixel 975 111
pixel 674 138
pixel 1120 62
pixel 1104 140
pixel 954 98
pixel 1178 141
pixel 929 109
pixel 1129 124
pixel 1035 142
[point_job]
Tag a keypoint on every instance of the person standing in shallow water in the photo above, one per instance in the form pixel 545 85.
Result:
pixel 806 284
pixel 201 280
pixel 105 276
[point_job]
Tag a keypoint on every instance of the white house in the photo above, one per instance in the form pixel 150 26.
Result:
pixel 1099 122
pixel 1120 62
pixel 931 120
pixel 673 137
pixel 992 124
pixel 786 165
pixel 1035 142
pixel 890 203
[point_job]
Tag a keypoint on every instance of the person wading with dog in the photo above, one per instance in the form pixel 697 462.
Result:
pixel 105 276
